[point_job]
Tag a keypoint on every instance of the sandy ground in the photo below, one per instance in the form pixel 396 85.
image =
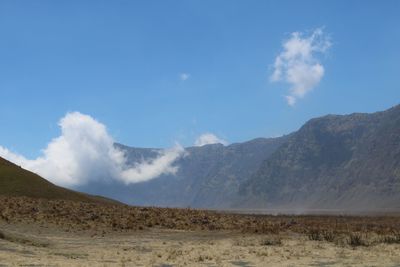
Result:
pixel 28 245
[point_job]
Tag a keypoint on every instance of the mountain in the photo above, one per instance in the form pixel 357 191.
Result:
pixel 208 176
pixel 341 162
pixel 15 181
pixel 346 162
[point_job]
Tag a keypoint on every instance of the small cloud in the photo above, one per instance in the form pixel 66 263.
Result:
pixel 85 152
pixel 291 100
pixel 184 76
pixel 298 63
pixel 208 139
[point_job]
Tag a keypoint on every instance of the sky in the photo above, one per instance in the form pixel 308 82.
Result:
pixel 180 73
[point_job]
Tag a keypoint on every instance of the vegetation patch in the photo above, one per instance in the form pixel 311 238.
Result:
pixel 357 240
pixel 23 240
pixel 392 239
pixel 271 241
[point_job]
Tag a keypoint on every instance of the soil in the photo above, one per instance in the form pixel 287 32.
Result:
pixel 61 233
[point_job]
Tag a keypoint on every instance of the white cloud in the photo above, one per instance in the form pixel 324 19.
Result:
pixel 85 152
pixel 298 63
pixel 208 139
pixel 146 170
pixel 184 76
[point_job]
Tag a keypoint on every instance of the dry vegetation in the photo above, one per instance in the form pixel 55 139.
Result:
pixel 66 233
pixel 101 219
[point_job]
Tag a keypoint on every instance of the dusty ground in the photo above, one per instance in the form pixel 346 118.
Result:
pixel 59 233
pixel 25 245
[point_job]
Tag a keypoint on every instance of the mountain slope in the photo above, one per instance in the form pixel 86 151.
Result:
pixel 346 162
pixel 208 177
pixel 15 181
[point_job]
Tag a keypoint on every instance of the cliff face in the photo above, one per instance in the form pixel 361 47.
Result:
pixel 345 162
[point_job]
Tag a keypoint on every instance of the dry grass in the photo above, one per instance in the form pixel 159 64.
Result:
pixel 102 219
pixel 393 238
pixel 23 240
pixel 271 241
pixel 357 240
pixel 66 233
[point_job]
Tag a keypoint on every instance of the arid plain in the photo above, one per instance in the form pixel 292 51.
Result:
pixel 38 232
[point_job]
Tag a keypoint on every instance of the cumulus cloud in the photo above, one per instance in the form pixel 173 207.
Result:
pixel 184 76
pixel 208 139
pixel 85 152
pixel 298 63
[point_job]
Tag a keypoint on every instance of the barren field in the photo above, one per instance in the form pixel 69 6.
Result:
pixel 62 233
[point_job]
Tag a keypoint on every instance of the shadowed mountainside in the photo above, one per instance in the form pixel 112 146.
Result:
pixel 347 162
pixel 208 176
pixel 344 162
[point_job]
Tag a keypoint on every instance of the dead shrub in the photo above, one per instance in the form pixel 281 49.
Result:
pixel 271 241
pixel 315 235
pixel 392 239
pixel 329 236
pixel 356 240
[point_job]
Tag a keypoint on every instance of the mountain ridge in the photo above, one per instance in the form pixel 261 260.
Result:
pixel 207 177
pixel 325 164
pixel 328 164
pixel 331 162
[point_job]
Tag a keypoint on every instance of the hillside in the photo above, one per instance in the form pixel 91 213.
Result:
pixel 15 181
pixel 342 162
pixel 208 177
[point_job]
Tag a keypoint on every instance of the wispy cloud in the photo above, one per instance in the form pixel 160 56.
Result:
pixel 146 170
pixel 85 152
pixel 184 76
pixel 208 139
pixel 298 64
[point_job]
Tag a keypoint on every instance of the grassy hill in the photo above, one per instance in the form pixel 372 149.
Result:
pixel 15 181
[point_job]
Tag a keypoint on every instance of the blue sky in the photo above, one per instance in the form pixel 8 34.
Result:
pixel 121 63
